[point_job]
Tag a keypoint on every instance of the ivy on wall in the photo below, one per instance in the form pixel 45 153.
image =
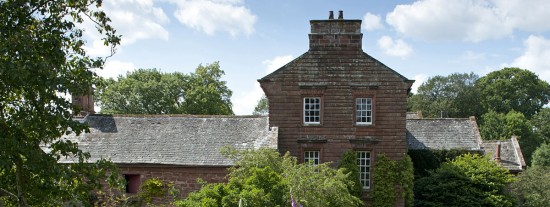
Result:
pixel 348 162
pixel 391 177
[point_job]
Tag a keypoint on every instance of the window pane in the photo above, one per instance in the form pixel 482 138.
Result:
pixel 363 114
pixel 363 161
pixel 312 110
pixel 311 157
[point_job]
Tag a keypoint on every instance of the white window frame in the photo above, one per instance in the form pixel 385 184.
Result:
pixel 363 111
pixel 364 164
pixel 312 157
pixel 312 110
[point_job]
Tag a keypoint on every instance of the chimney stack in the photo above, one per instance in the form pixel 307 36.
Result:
pixel 340 34
pixel 497 154
pixel 84 102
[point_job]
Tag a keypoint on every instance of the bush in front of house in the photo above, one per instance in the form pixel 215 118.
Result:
pixel 468 180
pixel 265 178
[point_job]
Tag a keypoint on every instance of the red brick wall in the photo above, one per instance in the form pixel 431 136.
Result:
pixel 338 77
pixel 183 178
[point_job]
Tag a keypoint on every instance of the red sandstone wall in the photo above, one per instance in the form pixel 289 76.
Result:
pixel 184 178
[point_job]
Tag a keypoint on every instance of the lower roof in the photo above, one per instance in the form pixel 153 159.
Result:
pixel 174 139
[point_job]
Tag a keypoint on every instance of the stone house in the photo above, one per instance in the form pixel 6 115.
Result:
pixel 331 99
pixel 335 98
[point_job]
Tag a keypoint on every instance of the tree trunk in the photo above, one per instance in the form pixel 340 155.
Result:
pixel 19 179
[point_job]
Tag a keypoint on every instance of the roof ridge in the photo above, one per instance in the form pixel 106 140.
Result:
pixel 175 115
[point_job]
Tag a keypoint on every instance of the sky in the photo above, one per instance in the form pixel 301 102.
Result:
pixel 251 38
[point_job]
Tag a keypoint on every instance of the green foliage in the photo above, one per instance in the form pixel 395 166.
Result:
pixel 532 186
pixel 406 179
pixel 384 177
pixel 447 96
pixel 348 163
pixel 513 89
pixel 428 160
pixel 469 180
pixel 494 126
pixel 149 91
pixel 144 91
pixel 41 57
pixel 387 175
pixel 541 124
pixel 262 108
pixel 265 178
pixel 207 93
pixel 541 156
pixel 152 188
pixel 498 126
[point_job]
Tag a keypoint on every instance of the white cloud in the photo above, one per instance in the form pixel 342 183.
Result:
pixel 245 102
pixel 530 16
pixel 419 79
pixel 114 68
pixel 276 63
pixel 396 48
pixel 97 49
pixel 469 20
pixel 536 57
pixel 371 22
pixel 133 19
pixel 210 16
pixel 137 19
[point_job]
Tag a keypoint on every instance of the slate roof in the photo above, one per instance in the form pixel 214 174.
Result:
pixel 461 133
pixel 456 133
pixel 173 140
pixel 511 157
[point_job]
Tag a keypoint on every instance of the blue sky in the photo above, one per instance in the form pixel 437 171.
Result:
pixel 251 38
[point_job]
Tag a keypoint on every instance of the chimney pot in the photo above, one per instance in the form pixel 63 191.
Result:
pixel 497 156
pixel 340 14
pixel 330 15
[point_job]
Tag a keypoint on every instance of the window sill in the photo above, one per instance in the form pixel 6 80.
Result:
pixel 364 125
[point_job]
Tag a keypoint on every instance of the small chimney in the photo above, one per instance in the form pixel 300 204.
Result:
pixel 497 154
pixel 344 34
pixel 84 102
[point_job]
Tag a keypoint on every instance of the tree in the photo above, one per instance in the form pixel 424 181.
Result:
pixel 498 126
pixel 447 96
pixel 149 91
pixel 513 89
pixel 532 186
pixel 262 108
pixel 144 91
pixel 41 57
pixel 541 156
pixel 207 93
pixel 265 178
pixel 469 180
pixel 541 124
